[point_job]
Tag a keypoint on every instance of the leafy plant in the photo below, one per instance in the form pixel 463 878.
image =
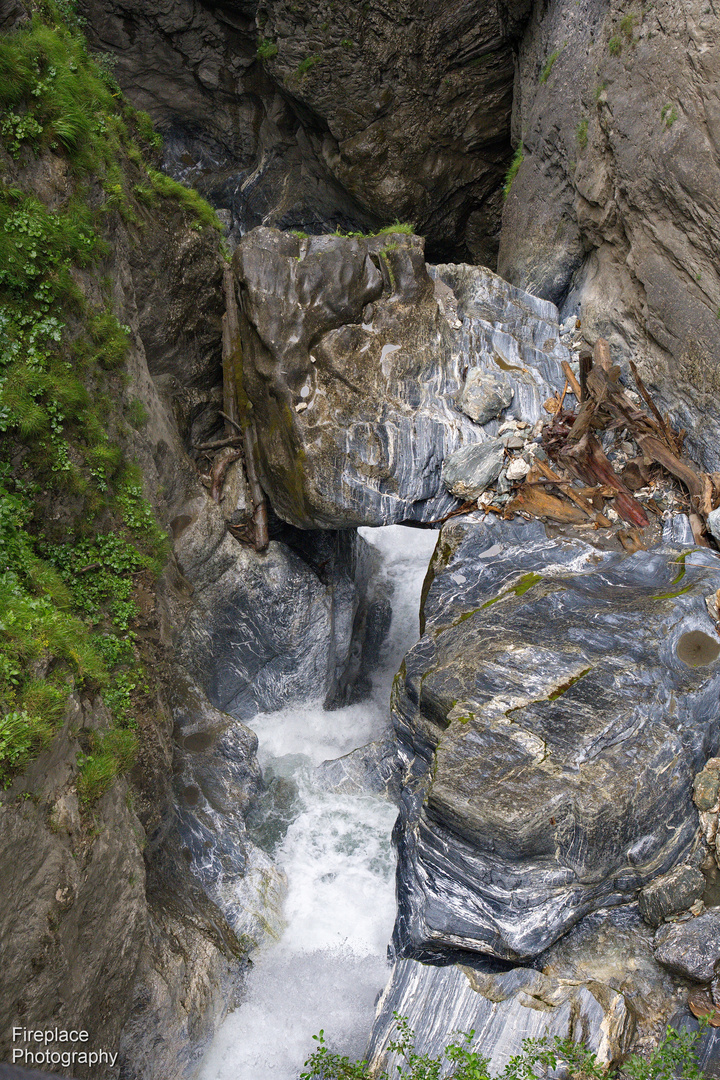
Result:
pixel 668 114
pixel 518 158
pixel 549 64
pixel 673 1058
pixel 266 49
pixel 615 45
pixel 307 64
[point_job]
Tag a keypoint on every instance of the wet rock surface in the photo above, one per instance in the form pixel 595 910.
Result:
pixel 354 357
pixel 538 797
pixel 501 1009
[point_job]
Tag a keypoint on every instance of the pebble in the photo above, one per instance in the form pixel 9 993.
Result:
pixel 518 469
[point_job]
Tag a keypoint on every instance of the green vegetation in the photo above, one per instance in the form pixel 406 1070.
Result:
pixel 347 44
pixel 266 49
pixel 668 114
pixel 549 64
pixel 582 133
pixel 405 227
pixel 627 26
pixel 615 45
pixel 673 1057
pixel 307 64
pixel 76 533
pixel 518 158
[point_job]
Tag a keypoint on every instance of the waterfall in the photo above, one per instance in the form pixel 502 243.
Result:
pixel 330 962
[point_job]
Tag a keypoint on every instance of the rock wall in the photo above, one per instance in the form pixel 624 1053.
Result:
pixel 614 206
pixel 555 730
pixel 311 116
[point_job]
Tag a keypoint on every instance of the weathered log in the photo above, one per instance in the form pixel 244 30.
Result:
pixel 235 411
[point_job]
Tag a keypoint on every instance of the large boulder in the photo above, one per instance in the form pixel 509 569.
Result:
pixel 553 728
pixel 355 356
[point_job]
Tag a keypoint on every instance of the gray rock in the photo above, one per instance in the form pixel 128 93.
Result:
pixel 485 396
pixel 398 116
pixel 671 893
pixel 470 471
pixel 713 524
pixel 690 949
pixel 614 947
pixel 358 331
pixel 501 1009
pixel 553 732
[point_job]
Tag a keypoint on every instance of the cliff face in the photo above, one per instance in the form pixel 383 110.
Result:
pixel 615 203
pixel 315 115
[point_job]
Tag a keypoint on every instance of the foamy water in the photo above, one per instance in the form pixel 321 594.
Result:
pixel 330 963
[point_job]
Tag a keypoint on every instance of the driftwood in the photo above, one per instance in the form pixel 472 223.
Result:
pixel 571 443
pixel 237 418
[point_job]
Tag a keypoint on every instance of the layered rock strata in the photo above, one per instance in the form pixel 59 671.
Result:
pixel 554 729
pixel 355 357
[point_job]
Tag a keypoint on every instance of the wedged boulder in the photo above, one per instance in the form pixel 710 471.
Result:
pixel 354 361
pixel 554 731
pixel 501 1009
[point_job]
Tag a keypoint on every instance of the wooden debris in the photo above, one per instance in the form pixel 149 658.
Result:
pixel 574 384
pixel 631 540
pixel 702 1005
pixel 237 419
pixel 220 467
pixel 538 502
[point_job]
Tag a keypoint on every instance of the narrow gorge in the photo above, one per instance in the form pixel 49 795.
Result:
pixel 360 536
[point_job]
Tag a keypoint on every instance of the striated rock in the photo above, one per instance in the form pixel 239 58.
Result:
pixel 470 471
pixel 485 396
pixel 266 630
pixel 614 947
pixel 690 949
pixel 671 893
pixel 353 360
pixel 501 1009
pixel 544 702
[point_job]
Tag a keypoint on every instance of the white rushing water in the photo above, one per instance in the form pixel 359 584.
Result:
pixel 330 963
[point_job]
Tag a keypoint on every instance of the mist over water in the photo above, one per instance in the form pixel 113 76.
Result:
pixel 330 963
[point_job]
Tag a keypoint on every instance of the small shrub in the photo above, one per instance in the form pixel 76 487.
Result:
pixel 21 736
pixel 615 45
pixel 307 64
pixel 674 1057
pixel 112 755
pixel 627 26
pixel 668 115
pixel 266 49
pixel 137 414
pixel 582 133
pixel 407 228
pixel 347 44
pixel 549 64
pixel 512 172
